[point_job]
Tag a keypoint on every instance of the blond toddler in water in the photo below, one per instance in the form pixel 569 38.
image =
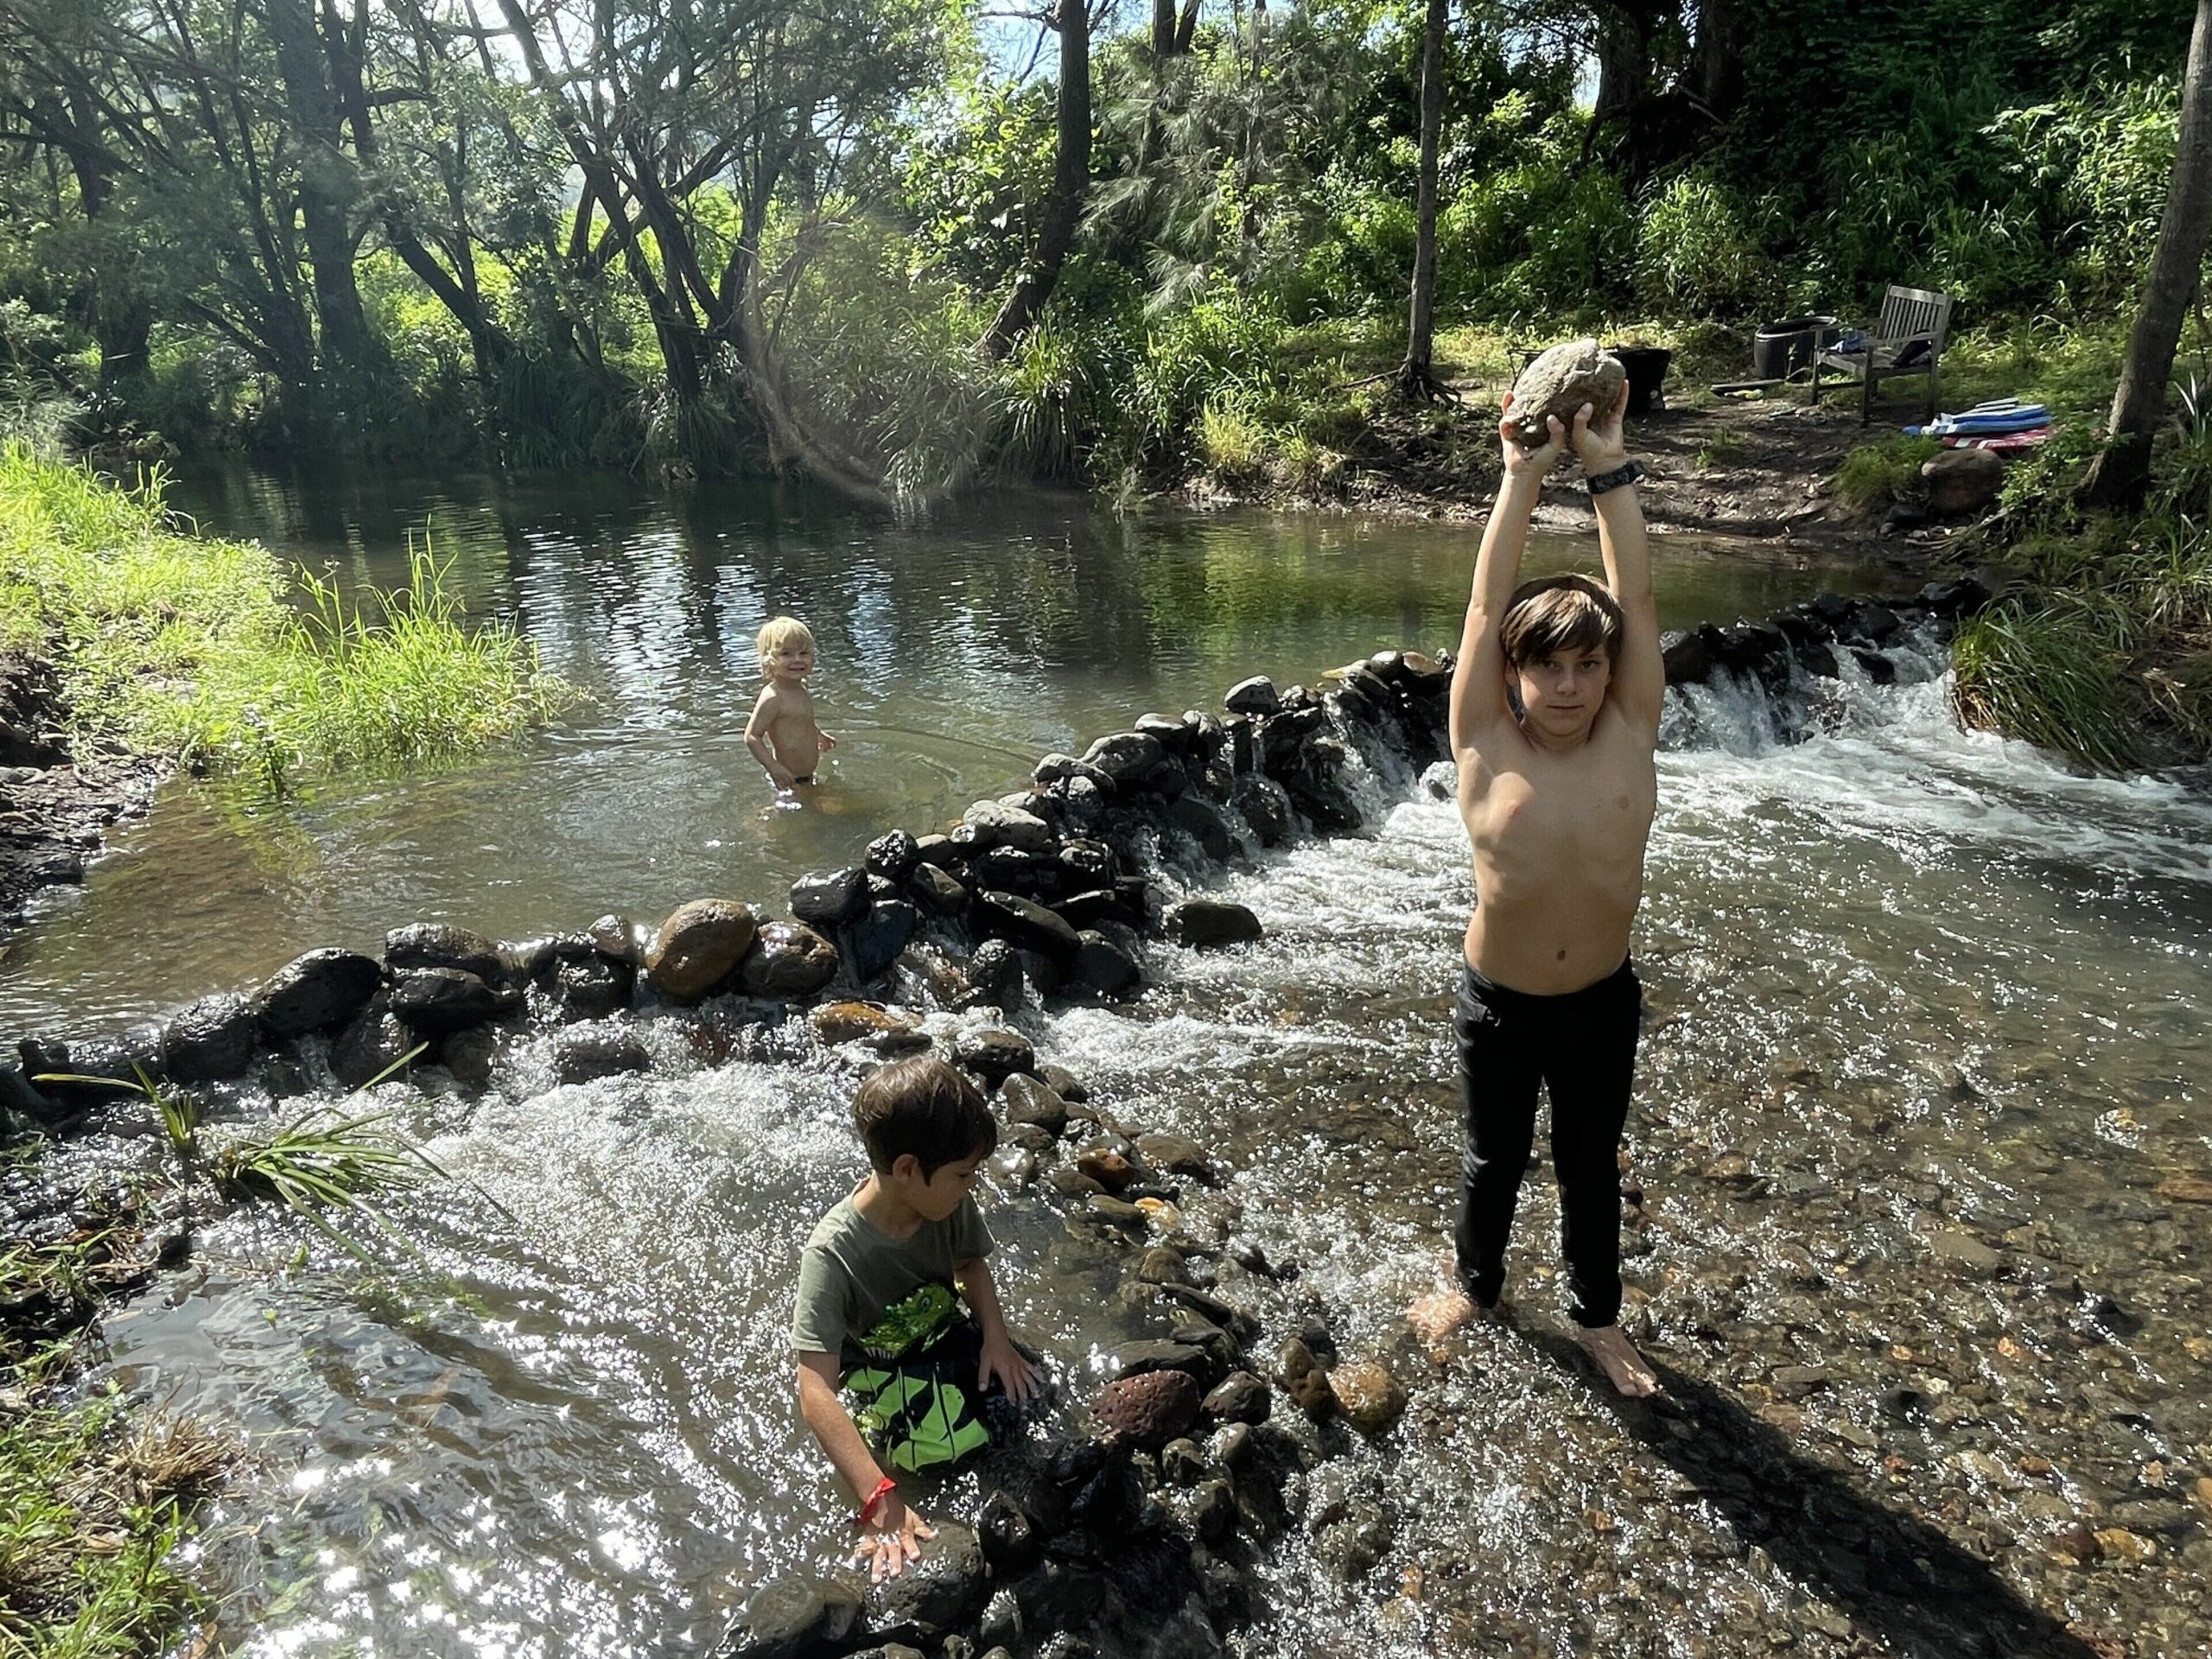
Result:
pixel 782 733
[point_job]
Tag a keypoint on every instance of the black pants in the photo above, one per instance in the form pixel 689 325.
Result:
pixel 1581 1047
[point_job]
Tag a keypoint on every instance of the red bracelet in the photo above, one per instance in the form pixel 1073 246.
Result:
pixel 884 1488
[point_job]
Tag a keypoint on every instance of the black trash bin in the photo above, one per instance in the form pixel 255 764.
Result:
pixel 1646 367
pixel 1781 349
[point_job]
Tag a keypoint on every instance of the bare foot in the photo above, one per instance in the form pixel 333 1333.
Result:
pixel 1437 1315
pixel 1622 1366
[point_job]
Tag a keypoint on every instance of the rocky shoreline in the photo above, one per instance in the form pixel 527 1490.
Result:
pixel 1136 1537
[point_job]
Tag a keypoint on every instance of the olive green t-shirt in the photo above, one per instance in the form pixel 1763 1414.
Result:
pixel 853 1270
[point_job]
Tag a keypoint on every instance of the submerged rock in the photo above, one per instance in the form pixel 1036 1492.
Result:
pixel 1370 1397
pixel 582 1053
pixel 887 1032
pixel 697 947
pixel 797 1617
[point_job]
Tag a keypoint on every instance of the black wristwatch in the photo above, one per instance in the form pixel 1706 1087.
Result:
pixel 1627 473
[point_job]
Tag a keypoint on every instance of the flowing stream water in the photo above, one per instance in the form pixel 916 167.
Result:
pixel 1911 991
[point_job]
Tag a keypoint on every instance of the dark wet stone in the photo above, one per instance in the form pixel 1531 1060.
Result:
pixel 699 945
pixel 1009 1536
pixel 1026 1099
pixel 877 938
pixel 1161 1265
pixel 1092 909
pixel 1002 1624
pixel 1213 1510
pixel 621 939
pixel 829 898
pixel 1316 786
pixel 469 1055
pixel 582 1053
pixel 1058 1596
pixel 318 991
pixel 1204 924
pixel 592 987
pixel 373 1043
pixel 1012 870
pixel 892 856
pixel 1352 1548
pixel 435 1001
pixel 1199 818
pixel 1102 966
pixel 1149 1408
pixel 439 944
pixel 995 1054
pixel 1879 669
pixel 937 890
pixel 797 1617
pixel 789 963
pixel 1063 1083
pixel 1127 757
pixel 209 1041
pixel 115 1063
pixel 1240 1398
pixel 1142 1358
pixel 995 975
pixel 1088 864
pixel 940 1591
pixel 1255 697
pixel 1962 596
pixel 1024 923
pixel 1687 656
pixel 1240 1325
pixel 1176 1155
pixel 22 1099
pixel 1261 802
pixel 888 1032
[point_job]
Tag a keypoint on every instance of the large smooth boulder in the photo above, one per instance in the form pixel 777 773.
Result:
pixel 789 962
pixel 697 947
pixel 1962 480
pixel 1205 924
pixel 209 1041
pixel 1561 381
pixel 440 945
pixel 318 991
pixel 829 898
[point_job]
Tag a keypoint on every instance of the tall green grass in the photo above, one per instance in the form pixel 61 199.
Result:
pixel 191 646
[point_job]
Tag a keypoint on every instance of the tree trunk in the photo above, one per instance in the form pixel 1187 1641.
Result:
pixel 2121 472
pixel 1417 374
pixel 327 184
pixel 1071 184
pixel 1716 76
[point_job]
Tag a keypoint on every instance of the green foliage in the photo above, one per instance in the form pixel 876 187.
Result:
pixel 1541 238
pixel 2049 671
pixel 324 1162
pixel 1875 474
pixel 186 646
pixel 1697 254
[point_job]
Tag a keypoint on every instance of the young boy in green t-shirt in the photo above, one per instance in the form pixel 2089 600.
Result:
pixel 876 1312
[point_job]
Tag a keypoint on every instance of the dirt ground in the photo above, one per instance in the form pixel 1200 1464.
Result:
pixel 1758 468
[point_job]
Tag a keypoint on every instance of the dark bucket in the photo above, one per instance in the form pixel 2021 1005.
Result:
pixel 1780 349
pixel 1646 367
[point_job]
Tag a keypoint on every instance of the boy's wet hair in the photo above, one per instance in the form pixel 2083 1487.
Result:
pixel 1555 615
pixel 923 1106
pixel 780 633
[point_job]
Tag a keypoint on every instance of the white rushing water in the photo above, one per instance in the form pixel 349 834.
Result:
pixel 1894 960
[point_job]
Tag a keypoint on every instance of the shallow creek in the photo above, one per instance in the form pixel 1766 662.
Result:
pixel 1925 1033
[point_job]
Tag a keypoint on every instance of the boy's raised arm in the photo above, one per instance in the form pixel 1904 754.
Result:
pixel 1478 684
pixel 1640 677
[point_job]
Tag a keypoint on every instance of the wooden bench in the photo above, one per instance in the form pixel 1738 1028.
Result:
pixel 1908 340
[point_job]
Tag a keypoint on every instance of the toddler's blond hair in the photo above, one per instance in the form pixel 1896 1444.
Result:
pixel 778 634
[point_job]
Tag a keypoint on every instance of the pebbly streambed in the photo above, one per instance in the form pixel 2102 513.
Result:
pixel 1921 1105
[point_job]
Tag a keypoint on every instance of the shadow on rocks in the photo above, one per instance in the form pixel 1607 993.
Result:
pixel 1899 1580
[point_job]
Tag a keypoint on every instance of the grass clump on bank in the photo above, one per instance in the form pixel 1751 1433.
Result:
pixel 95 1495
pixel 182 645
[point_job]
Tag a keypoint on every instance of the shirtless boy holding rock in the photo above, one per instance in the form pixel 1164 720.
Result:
pixel 1555 724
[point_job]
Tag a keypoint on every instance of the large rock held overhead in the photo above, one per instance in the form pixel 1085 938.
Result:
pixel 1559 382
